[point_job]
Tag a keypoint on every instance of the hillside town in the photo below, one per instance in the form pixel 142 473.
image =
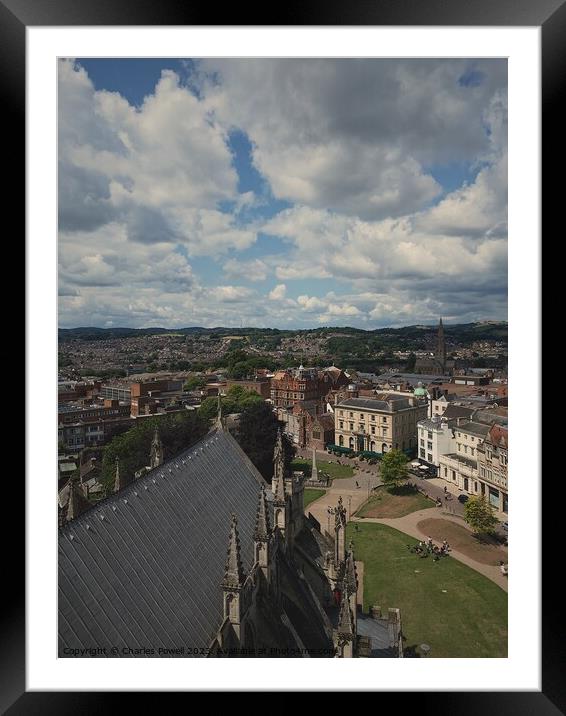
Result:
pixel 340 426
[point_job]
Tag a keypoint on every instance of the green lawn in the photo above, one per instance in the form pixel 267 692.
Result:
pixel 388 502
pixel 468 620
pixel 331 468
pixel 310 495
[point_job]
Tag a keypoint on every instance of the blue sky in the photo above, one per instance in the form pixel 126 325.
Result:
pixel 282 193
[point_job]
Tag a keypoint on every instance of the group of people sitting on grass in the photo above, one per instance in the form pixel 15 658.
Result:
pixel 424 549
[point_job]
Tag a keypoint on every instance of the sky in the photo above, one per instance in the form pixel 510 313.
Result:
pixel 282 193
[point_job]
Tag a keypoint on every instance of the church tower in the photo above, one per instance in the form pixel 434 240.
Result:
pixel 156 455
pixel 441 347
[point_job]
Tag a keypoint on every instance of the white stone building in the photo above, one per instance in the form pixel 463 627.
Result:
pixel 435 438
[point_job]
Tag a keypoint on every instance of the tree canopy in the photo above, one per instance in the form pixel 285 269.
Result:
pixel 235 400
pixel 257 433
pixel 178 431
pixel 479 514
pixel 393 468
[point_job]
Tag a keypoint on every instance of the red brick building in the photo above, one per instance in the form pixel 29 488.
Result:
pixel 289 387
pixel 261 386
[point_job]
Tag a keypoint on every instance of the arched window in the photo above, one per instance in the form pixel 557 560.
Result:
pixel 351 442
pixel 341 441
pixel 384 447
pixel 372 446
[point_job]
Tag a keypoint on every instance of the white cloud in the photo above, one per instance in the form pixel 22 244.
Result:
pixel 356 136
pixel 255 270
pixel 160 170
pixel 278 293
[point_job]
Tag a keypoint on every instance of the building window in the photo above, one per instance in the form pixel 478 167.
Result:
pixel 429 457
pixel 373 429
pixel 372 417
pixel 445 472
pixel 429 446
pixel 422 453
pixel 341 424
pixel 421 442
pixel 351 426
pixel 429 435
pixel 351 415
pixel 453 475
pixel 361 416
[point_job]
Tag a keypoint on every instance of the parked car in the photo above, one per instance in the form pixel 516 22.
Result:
pixel 463 498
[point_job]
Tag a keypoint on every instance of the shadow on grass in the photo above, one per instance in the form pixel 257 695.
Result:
pixel 402 490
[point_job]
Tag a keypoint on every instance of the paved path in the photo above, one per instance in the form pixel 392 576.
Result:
pixel 408 525
pixel 354 491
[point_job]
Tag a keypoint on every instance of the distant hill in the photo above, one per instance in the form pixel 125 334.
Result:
pixel 459 333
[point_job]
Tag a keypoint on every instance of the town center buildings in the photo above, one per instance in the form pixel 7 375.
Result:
pixel 378 424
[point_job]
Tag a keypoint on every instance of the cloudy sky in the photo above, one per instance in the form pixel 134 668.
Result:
pixel 282 193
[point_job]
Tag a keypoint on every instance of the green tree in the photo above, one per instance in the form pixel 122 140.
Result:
pixel 194 382
pixel 479 514
pixel 236 399
pixel 257 432
pixel 178 431
pixel 393 468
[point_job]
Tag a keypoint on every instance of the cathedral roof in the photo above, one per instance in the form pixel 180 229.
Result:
pixel 144 566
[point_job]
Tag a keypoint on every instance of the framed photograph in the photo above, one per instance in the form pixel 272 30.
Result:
pixel 284 276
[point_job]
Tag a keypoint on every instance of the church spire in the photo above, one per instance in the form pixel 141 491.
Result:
pixel 219 423
pixel 76 502
pixel 345 624
pixel 441 347
pixel 234 571
pixel 278 483
pixel 156 455
pixel 119 481
pixel 350 575
pixel 262 529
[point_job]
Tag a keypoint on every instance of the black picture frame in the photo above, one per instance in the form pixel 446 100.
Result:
pixel 15 16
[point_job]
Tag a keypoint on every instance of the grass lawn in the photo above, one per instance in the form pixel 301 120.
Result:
pixel 310 495
pixel 331 468
pixel 468 620
pixel 387 502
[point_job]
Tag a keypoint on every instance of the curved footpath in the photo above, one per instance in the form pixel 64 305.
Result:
pixel 354 497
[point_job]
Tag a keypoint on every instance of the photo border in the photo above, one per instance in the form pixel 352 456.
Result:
pixel 15 16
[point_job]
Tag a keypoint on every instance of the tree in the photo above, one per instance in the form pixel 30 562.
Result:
pixel 178 431
pixel 234 401
pixel 393 468
pixel 193 382
pixel 479 514
pixel 257 433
